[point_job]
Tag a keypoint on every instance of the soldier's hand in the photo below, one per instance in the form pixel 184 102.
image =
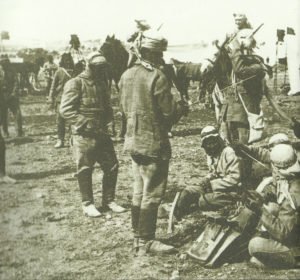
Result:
pixel 254 201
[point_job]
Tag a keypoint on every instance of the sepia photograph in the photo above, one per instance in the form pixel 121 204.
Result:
pixel 149 139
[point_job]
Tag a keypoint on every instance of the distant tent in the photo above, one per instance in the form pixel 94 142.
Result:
pixel 4 35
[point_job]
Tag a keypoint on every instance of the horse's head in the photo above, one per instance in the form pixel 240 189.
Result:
pixel 66 61
pixel 218 70
pixel 116 55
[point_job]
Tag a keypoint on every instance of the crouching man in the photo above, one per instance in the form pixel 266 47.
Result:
pixel 221 187
pixel 86 104
pixel 278 242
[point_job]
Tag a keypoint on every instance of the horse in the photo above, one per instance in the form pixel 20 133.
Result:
pixel 186 72
pixel 117 57
pixel 28 72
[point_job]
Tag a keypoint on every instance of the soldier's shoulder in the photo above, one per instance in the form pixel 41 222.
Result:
pixel 229 153
pixel 73 82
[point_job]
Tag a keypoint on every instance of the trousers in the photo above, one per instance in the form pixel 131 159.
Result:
pixel 87 151
pixel 150 181
pixel 271 253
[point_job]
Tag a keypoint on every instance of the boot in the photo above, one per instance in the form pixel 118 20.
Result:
pixel 154 247
pixel 147 223
pixel 59 144
pixel 6 179
pixel 90 211
pixel 113 206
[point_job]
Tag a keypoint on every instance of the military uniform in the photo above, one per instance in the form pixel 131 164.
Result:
pixel 49 70
pixel 10 100
pixel 221 188
pixel 280 243
pixel 86 104
pixel 61 76
pixel 278 240
pixel 150 109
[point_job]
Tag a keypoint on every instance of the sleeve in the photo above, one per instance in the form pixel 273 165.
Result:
pixel 245 69
pixel 69 106
pixel 171 111
pixel 232 166
pixel 261 154
pixel 282 226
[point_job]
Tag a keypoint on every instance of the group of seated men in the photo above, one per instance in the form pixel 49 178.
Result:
pixel 276 242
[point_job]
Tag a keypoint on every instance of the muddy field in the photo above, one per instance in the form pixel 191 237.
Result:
pixel 44 234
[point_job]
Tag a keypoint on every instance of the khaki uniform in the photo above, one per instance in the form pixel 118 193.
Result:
pixel 149 109
pixel 280 244
pixel 86 104
pixel 61 76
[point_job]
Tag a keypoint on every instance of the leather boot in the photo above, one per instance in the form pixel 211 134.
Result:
pixel 147 223
pixel 85 186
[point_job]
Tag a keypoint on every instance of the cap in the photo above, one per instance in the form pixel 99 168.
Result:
pixel 283 156
pixel 154 41
pixel 207 132
pixel 279 138
pixel 96 58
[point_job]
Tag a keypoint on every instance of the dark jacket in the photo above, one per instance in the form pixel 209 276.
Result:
pixel 150 110
pixel 10 82
pixel 61 76
pixel 86 104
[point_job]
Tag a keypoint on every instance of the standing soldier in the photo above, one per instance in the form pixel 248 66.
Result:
pixel 61 76
pixel 3 177
pixel 150 109
pixel 86 104
pixel 10 101
pixel 49 70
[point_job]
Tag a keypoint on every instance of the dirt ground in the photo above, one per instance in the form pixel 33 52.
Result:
pixel 44 235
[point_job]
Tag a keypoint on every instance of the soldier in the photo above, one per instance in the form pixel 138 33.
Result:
pixel 222 186
pixel 3 177
pixel 150 109
pixel 86 104
pixel 61 76
pixel 135 40
pixel 49 70
pixel 277 243
pixel 10 97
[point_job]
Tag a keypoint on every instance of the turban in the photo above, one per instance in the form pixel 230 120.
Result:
pixel 154 42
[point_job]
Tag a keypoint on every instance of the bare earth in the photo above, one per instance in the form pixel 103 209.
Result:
pixel 44 234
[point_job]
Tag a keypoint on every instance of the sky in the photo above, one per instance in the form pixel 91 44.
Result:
pixel 184 21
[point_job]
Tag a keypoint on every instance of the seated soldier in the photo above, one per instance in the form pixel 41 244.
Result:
pixel 221 186
pixel 278 242
pixel 262 153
